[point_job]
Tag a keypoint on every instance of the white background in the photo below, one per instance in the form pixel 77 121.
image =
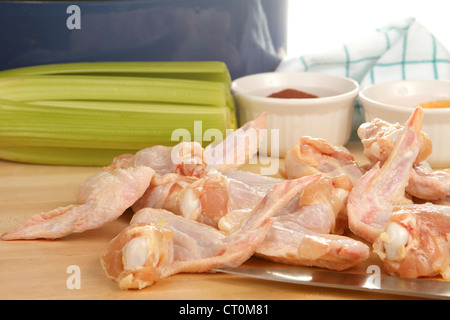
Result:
pixel 321 25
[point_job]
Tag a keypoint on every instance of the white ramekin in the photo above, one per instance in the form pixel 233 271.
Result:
pixel 394 102
pixel 328 117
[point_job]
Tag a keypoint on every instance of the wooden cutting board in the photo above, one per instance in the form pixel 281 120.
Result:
pixel 69 268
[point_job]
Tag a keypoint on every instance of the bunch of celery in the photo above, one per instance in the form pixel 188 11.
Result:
pixel 87 113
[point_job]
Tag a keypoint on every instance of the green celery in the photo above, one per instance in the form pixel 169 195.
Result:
pixel 196 70
pixel 60 155
pixel 95 127
pixel 115 88
pixel 87 113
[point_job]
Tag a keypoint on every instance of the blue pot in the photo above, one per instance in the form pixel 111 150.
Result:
pixel 245 34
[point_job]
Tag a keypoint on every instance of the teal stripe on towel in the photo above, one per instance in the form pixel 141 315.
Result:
pixel 433 39
pixel 388 41
pixel 347 61
pixel 405 40
pixel 304 63
pixel 390 64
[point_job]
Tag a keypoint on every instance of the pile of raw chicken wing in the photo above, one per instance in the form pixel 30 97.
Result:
pixel 194 210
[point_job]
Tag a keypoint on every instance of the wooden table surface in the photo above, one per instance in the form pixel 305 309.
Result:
pixel 41 269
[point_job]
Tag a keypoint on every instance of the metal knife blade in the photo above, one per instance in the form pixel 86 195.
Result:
pixel 425 288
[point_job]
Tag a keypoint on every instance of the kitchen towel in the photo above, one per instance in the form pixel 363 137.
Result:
pixel 402 50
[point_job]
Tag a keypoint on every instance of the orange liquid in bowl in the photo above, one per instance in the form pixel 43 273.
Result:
pixel 436 104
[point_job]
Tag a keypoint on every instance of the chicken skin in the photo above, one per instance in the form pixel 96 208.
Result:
pixel 158 243
pixel 372 199
pixel 379 137
pixel 301 233
pixel 206 199
pixel 190 159
pixel 103 198
pixel 415 242
pixel 428 184
pixel 290 243
pixel 313 155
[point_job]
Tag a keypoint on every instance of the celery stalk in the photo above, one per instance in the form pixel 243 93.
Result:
pixel 37 131
pixel 114 88
pixel 85 114
pixel 97 128
pixel 196 70
pixel 60 155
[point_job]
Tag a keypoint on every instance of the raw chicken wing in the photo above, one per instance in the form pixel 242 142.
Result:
pixel 164 192
pixel 379 138
pixel 314 155
pixel 206 199
pixel 318 155
pixel 158 243
pixel 104 197
pixel 300 234
pixel 190 159
pixel 288 242
pixel 237 148
pixel 415 242
pixel 373 198
pixel 185 158
pixel 428 184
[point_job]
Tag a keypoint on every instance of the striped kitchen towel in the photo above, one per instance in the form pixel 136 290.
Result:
pixel 403 50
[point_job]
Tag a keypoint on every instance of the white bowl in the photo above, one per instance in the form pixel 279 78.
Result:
pixel 329 116
pixel 395 101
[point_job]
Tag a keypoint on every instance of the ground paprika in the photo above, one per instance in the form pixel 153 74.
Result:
pixel 292 94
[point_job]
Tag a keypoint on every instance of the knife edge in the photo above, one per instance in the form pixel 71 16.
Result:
pixel 423 288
